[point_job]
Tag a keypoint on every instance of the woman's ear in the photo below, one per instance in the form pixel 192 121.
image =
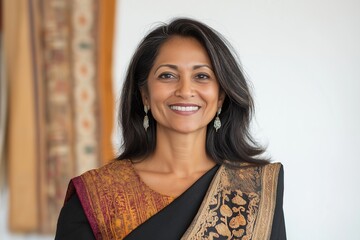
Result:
pixel 221 99
pixel 144 97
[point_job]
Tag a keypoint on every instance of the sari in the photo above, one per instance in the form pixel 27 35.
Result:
pixel 225 203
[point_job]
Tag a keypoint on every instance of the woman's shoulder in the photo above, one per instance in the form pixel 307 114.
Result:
pixel 115 170
pixel 267 170
pixel 117 173
pixel 250 176
pixel 242 166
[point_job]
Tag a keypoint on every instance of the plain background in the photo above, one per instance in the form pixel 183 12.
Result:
pixel 303 58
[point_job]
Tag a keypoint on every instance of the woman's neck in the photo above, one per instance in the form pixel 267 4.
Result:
pixel 181 154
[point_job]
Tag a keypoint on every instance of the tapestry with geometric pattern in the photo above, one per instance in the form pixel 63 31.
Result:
pixel 61 102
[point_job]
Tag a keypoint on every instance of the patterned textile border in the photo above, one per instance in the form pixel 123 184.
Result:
pixel 68 74
pixel 58 122
pixel 58 105
pixel 84 42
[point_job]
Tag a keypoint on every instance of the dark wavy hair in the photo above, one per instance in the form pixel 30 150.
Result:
pixel 232 143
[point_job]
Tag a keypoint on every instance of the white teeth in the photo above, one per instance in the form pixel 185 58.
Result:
pixel 185 109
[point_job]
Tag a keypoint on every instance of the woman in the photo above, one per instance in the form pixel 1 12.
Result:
pixel 189 167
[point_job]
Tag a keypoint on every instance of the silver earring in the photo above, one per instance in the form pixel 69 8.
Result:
pixel 146 119
pixel 217 122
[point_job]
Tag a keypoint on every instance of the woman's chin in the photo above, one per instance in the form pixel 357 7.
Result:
pixel 187 129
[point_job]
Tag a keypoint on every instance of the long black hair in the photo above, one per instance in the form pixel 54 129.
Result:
pixel 233 142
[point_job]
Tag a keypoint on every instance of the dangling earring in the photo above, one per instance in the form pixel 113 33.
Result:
pixel 217 122
pixel 146 118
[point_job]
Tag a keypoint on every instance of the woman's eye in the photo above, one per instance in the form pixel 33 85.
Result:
pixel 166 76
pixel 202 76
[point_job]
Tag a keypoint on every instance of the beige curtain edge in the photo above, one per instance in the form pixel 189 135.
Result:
pixel 106 98
pixel 21 149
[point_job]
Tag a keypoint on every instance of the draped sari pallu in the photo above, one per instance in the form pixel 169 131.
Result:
pixel 238 203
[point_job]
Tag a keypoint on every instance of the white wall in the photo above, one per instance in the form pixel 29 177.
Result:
pixel 303 58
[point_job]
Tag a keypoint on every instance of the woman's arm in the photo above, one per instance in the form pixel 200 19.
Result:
pixel 72 223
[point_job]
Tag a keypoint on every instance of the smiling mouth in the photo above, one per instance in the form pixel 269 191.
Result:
pixel 184 108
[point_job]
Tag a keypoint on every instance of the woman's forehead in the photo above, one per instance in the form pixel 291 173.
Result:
pixel 182 50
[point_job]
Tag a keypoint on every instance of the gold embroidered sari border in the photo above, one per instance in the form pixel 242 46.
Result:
pixel 263 225
pixel 260 186
pixel 202 213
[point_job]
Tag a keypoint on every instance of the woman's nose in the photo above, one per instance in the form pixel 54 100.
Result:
pixel 185 88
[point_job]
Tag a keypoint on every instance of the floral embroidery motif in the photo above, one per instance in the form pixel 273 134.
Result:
pixel 233 204
pixel 236 210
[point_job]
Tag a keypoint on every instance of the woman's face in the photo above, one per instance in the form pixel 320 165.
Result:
pixel 182 90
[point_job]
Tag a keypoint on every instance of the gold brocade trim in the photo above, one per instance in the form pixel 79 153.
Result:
pixel 116 201
pixel 263 225
pixel 239 204
pixel 204 212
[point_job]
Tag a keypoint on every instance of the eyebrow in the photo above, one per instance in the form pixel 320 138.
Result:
pixel 166 65
pixel 176 67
